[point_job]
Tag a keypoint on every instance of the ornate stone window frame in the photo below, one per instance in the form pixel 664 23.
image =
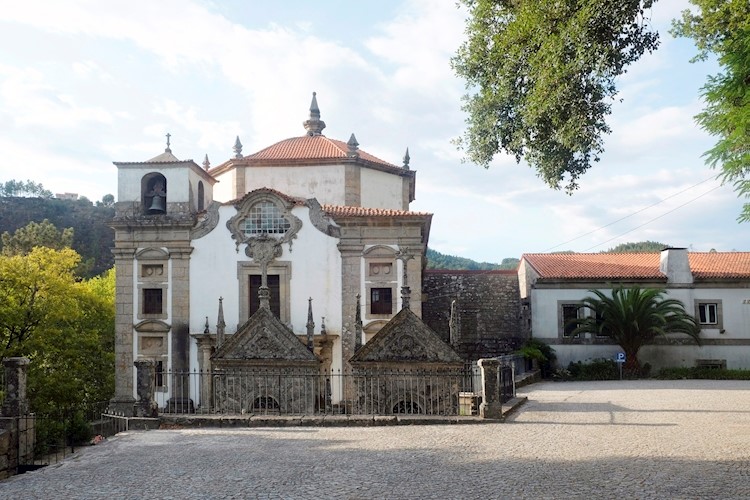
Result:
pixel 244 207
pixel 164 300
pixel 153 341
pixel 283 269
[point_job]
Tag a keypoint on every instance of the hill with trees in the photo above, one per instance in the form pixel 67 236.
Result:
pixel 93 239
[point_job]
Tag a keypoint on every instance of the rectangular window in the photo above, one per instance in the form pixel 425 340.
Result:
pixel 708 314
pixel 381 301
pixel 274 288
pixel 152 301
pixel 569 313
pixel 599 321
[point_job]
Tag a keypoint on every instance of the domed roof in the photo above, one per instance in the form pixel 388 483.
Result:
pixel 313 147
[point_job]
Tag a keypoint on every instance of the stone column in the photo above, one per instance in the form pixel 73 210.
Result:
pixel 491 406
pixel 15 404
pixel 123 399
pixel 145 377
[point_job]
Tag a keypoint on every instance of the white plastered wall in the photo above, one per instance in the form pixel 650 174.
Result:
pixel 326 183
pixel 381 189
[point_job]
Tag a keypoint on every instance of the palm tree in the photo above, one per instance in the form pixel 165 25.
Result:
pixel 633 317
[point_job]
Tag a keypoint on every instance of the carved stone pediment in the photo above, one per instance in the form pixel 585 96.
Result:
pixel 264 338
pixel 406 339
pixel 152 325
pixel 152 254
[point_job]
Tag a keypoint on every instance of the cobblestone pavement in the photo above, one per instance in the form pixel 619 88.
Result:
pixel 644 439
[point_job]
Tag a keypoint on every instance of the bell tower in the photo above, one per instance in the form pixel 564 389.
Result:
pixel 158 203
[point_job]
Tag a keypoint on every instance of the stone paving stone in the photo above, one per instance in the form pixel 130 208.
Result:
pixel 641 439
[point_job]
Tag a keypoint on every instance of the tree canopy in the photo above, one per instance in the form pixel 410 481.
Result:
pixel 722 28
pixel 634 317
pixel 21 188
pixel 541 78
pixel 36 234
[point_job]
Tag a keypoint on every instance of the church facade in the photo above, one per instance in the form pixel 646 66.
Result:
pixel 310 238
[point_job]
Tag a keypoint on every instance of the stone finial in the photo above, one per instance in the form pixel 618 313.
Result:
pixel 404 255
pixel 314 125
pixel 168 149
pixel 220 324
pixel 310 325
pixel 358 325
pixel 237 148
pixel 353 149
pixel 406 159
pixel 453 324
pixel 323 326
pixel 206 163
pixel 205 329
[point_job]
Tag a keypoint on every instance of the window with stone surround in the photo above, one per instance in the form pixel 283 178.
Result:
pixel 381 301
pixel 709 314
pixel 153 301
pixel 265 218
pixel 566 313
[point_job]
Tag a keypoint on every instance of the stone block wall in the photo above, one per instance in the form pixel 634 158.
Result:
pixel 489 307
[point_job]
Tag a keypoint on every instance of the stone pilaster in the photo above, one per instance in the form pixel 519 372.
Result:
pixel 351 277
pixel 123 399
pixel 180 318
pixel 16 404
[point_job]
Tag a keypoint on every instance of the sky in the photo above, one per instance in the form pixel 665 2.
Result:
pixel 85 83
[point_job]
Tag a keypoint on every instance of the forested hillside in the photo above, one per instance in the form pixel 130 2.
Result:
pixel 437 260
pixel 93 239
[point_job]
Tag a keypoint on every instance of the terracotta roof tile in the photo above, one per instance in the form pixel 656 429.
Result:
pixel 726 265
pixel 611 266
pixel 344 211
pixel 312 147
pixel 596 265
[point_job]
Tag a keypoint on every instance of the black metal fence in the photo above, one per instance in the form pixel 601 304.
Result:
pixel 46 438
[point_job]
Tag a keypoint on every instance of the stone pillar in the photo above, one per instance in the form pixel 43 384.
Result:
pixel 145 377
pixel 351 285
pixel 205 349
pixel 123 399
pixel 15 404
pixel 491 406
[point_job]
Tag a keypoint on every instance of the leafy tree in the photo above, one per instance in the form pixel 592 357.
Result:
pixel 65 326
pixel 541 75
pixel 634 317
pixel 722 28
pixel 639 246
pixel 108 200
pixel 21 188
pixel 41 234
pixel 37 291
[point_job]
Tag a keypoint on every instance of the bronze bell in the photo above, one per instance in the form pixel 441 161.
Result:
pixel 158 205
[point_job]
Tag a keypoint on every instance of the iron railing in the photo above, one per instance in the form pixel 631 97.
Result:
pixel 309 392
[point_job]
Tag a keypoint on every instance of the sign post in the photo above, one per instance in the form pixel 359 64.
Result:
pixel 620 360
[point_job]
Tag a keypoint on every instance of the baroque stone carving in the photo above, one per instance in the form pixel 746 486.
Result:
pixel 320 220
pixel 207 221
pixel 244 206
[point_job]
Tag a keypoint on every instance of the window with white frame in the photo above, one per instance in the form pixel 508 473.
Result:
pixel 709 314
pixel 265 218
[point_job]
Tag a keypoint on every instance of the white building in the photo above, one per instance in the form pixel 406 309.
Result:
pixel 307 218
pixel 714 286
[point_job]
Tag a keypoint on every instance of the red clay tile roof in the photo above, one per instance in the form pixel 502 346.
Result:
pixel 613 266
pixel 343 211
pixel 725 265
pixel 312 147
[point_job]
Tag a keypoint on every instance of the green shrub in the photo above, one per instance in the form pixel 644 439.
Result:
pixel 696 372
pixel 598 369
pixel 540 351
